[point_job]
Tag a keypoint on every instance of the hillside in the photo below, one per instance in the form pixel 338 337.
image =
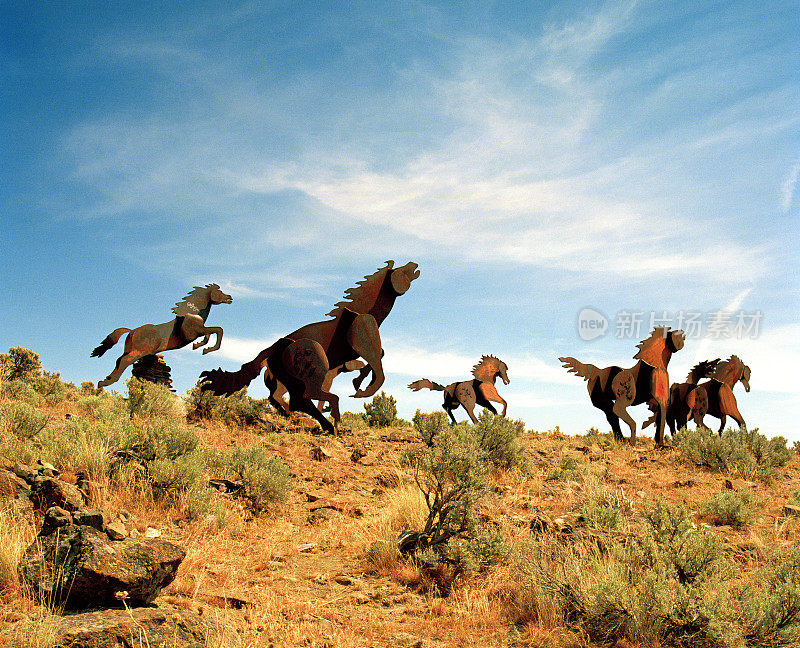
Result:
pixel 578 541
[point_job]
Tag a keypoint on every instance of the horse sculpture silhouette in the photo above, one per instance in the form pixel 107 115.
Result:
pixel 480 390
pixel 302 361
pixel 614 389
pixel 717 397
pixel 684 397
pixel 150 339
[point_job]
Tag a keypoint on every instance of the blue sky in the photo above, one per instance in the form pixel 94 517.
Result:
pixel 534 159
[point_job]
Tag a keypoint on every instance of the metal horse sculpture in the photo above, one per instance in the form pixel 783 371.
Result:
pixel 684 397
pixel 719 400
pixel 149 339
pixel 301 361
pixel 614 389
pixel 480 390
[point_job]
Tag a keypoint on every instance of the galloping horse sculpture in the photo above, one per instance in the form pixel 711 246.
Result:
pixel 301 361
pixel 719 400
pixel 614 389
pixel 189 324
pixel 468 393
pixel 684 397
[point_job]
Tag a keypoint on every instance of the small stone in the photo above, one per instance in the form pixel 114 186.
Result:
pixel 116 530
pixel 56 517
pixel 150 532
pixel 357 455
pixel 320 579
pixel 46 469
pixel 344 580
pixel 93 518
pixel 24 472
pixel 388 480
pixel 403 436
pixel 323 514
pixel 318 453
pixel 791 509
pixel 307 548
pixel 123 515
pixel 134 534
pixel 684 483
pixel 738 484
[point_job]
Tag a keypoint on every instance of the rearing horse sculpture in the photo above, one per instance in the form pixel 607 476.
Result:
pixel 301 361
pixel 469 393
pixel 150 339
pixel 719 400
pixel 614 389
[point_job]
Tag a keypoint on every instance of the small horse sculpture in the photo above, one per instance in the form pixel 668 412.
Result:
pixel 189 324
pixel 302 361
pixel 719 400
pixel 468 393
pixel 684 397
pixel 614 389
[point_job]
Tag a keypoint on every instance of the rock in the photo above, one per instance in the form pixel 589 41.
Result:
pixel 322 514
pixel 342 579
pixel 407 640
pixel 226 485
pixel 116 530
pixel 46 469
pixel 11 484
pixel 307 548
pixel 388 480
pixel 358 454
pixel 93 518
pixel 123 515
pixel 684 483
pixel 150 532
pixel 225 599
pixel 49 491
pixel 134 533
pixel 318 453
pixel 791 509
pixel 80 567
pixel 738 484
pixel 24 472
pixel 54 518
pixel 153 627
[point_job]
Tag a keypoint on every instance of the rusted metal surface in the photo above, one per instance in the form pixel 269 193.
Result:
pixel 188 325
pixel 718 400
pixel 684 397
pixel 468 393
pixel 613 389
pixel 301 363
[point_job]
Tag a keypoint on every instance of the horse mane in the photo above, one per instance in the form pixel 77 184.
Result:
pixel 701 370
pixel 729 371
pixel 651 349
pixel 486 369
pixel 361 298
pixel 195 301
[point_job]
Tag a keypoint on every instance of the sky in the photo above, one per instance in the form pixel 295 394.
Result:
pixel 550 166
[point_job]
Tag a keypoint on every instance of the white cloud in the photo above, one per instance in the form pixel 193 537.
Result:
pixel 788 187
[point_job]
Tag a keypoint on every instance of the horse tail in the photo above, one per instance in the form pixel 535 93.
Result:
pixel 111 339
pixel 585 371
pixel 225 383
pixel 424 382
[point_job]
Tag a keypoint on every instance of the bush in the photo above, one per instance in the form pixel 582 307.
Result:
pixel 770 610
pixel 21 421
pixel 608 510
pixel 148 399
pixel 570 469
pixel 430 425
pixel 744 452
pixel 170 477
pixel 382 411
pixel 497 437
pixel 20 364
pixel 237 410
pixel 265 478
pixel 734 509
pixel 354 421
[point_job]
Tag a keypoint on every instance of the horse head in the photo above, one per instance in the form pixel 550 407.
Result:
pixel 403 276
pixel 745 379
pixel 675 340
pixel 216 296
pixel 502 368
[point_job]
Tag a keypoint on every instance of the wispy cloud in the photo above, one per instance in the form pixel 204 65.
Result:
pixel 788 187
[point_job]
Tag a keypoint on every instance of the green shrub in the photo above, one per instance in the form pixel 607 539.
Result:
pixel 148 399
pixel 20 364
pixel 266 478
pixel 497 436
pixel 170 477
pixel 354 421
pixel 19 390
pixel 50 385
pixel 770 609
pixel 430 425
pixel 237 410
pixel 203 502
pixel 744 452
pixel 736 509
pixel 570 469
pixel 382 411
pixel 609 510
pixel 20 420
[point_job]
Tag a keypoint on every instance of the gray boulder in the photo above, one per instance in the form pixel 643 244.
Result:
pixel 49 491
pixel 79 566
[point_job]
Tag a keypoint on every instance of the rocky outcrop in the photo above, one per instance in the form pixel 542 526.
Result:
pixel 154 627
pixel 81 567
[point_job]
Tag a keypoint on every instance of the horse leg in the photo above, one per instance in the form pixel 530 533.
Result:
pixel 306 366
pixel 197 345
pixel 722 419
pixel 276 392
pixel 623 387
pixel 613 421
pixel 489 392
pixel 727 405
pixel 465 394
pixel 364 338
pixel 123 362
